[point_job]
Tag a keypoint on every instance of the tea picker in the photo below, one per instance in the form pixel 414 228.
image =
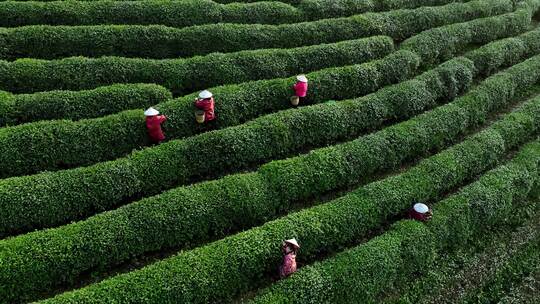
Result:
pixel 153 125
pixel 420 212
pixel 205 105
pixel 289 249
pixel 300 90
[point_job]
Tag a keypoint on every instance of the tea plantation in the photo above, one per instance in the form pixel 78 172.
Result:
pixel 408 101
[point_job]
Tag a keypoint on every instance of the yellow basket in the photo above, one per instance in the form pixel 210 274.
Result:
pixel 295 100
pixel 199 116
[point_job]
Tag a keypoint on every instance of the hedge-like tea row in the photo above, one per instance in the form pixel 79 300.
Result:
pixel 184 76
pixel 17 109
pixel 172 13
pixel 180 112
pixel 505 52
pixel 166 42
pixel 74 193
pixel 360 274
pixel 64 144
pixel 187 12
pixel 442 43
pixel 189 215
pixel 235 264
pixel 320 9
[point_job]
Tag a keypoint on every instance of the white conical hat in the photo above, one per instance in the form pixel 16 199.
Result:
pixel 151 112
pixel 301 78
pixel 205 94
pixel 293 242
pixel 421 208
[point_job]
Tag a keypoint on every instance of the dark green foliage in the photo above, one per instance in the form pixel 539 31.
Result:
pixel 254 99
pixel 178 162
pixel 512 270
pixel 233 265
pixel 189 215
pixel 17 109
pixel 172 13
pixel 506 51
pixel 64 144
pixel 445 42
pixel 184 76
pixel 319 9
pixel 526 291
pixel 189 12
pixel 167 42
pixel 147 173
pixel 360 274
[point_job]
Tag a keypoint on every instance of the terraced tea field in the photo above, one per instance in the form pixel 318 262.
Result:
pixel 432 101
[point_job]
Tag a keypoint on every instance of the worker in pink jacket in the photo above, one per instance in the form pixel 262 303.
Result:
pixel 205 102
pixel 301 87
pixel 420 212
pixel 289 248
pixel 153 125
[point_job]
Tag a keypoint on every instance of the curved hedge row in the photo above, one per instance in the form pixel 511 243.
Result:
pixel 64 144
pixel 320 9
pixel 187 12
pixel 18 109
pixel 235 264
pixel 89 190
pixel 360 274
pixel 190 215
pixel 505 52
pixel 133 40
pixel 183 76
pixel 172 13
pixel 443 42
pixel 180 112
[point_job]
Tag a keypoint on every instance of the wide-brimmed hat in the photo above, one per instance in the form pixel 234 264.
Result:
pixel 151 112
pixel 205 94
pixel 293 242
pixel 301 78
pixel 420 208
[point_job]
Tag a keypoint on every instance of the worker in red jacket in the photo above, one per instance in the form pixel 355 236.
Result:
pixel 301 87
pixel 420 212
pixel 205 102
pixel 153 125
